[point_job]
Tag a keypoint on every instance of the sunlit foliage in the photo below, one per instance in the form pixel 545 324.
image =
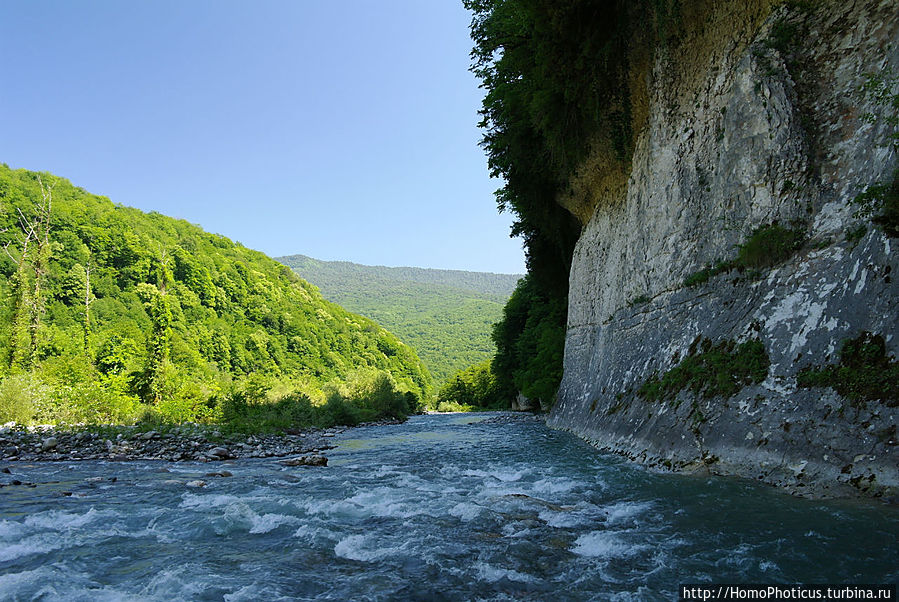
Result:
pixel 145 312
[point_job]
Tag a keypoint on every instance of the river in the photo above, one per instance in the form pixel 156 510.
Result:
pixel 443 507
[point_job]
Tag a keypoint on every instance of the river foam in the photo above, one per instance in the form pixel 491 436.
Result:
pixel 437 508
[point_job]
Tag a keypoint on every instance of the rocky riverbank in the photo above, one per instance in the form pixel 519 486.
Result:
pixel 191 443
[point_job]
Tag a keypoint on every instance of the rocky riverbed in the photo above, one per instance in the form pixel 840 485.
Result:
pixel 193 443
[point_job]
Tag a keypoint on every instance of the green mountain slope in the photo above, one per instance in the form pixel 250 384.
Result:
pixel 173 312
pixel 446 315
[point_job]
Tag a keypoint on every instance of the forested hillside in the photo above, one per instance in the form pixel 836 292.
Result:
pixel 446 315
pixel 106 310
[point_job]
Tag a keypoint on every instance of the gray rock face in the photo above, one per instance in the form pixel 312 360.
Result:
pixel 748 141
pixel 220 453
pixel 524 404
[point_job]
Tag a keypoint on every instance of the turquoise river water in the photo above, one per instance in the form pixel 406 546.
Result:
pixel 444 507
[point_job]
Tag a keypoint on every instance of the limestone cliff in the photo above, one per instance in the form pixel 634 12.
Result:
pixel 751 118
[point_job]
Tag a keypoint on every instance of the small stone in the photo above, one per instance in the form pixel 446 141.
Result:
pixel 49 443
pixel 5 470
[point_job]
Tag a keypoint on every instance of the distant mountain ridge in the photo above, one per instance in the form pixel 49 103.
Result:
pixel 486 283
pixel 446 315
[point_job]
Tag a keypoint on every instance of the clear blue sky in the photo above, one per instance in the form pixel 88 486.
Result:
pixel 340 129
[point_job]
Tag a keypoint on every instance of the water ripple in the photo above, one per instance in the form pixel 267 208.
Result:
pixel 441 508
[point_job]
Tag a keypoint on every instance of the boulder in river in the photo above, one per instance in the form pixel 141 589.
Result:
pixel 310 460
pixel 220 453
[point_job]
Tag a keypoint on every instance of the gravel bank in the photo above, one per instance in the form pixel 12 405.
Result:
pixel 192 443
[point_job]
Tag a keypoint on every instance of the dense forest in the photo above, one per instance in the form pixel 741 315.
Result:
pixel 558 92
pixel 110 314
pixel 445 315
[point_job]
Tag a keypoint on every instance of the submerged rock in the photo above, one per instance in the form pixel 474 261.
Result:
pixel 220 473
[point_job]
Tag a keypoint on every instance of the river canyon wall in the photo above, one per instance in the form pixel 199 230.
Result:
pixel 757 115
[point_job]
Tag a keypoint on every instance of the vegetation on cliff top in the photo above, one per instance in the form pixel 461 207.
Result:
pixel 556 82
pixel 110 314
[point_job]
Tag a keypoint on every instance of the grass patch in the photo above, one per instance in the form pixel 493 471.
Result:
pixel 768 246
pixel 703 275
pixel 710 370
pixel 765 247
pixel 865 372
pixel 880 203
pixel 638 300
pixel 854 235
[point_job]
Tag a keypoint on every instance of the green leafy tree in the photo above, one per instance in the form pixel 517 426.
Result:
pixel 157 306
pixel 476 386
pixel 28 282
pixel 559 90
pixel 530 342
pixel 179 317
